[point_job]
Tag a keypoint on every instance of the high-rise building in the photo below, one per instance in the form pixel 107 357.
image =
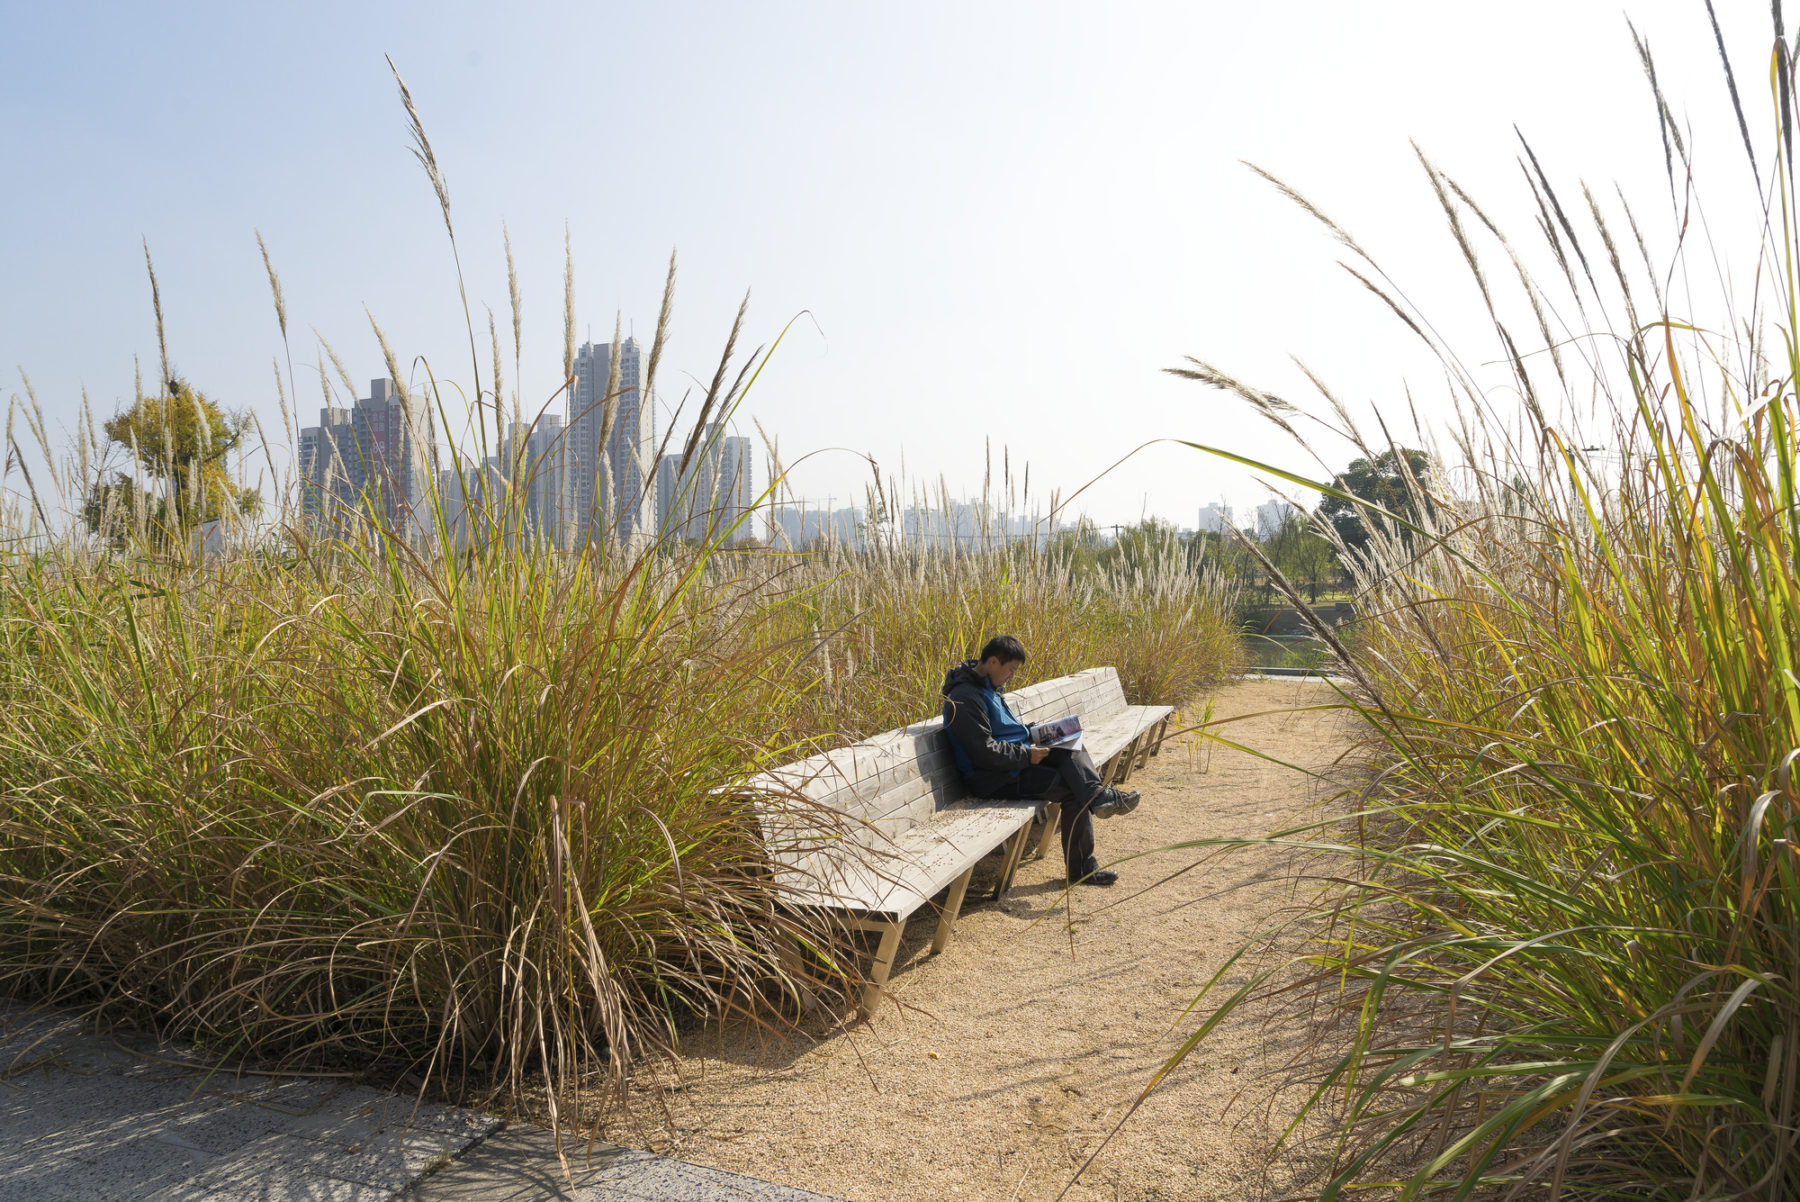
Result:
pixel 607 485
pixel 735 494
pixel 1270 515
pixel 536 463
pixel 804 528
pixel 673 504
pixel 371 460
pixel 712 494
pixel 1215 518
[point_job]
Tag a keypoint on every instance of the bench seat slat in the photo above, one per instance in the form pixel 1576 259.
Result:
pixel 1109 737
pixel 899 879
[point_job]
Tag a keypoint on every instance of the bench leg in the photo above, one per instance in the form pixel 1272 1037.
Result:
pixel 884 962
pixel 1015 851
pixel 1128 760
pixel 1113 772
pixel 794 964
pixel 1152 743
pixel 1162 732
pixel 952 907
pixel 1052 819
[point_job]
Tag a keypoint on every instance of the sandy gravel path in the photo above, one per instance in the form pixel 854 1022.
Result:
pixel 1014 1052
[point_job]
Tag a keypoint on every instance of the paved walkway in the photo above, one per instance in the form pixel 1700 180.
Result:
pixel 520 1165
pixel 86 1118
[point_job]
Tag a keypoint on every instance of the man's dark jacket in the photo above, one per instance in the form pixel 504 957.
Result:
pixel 989 743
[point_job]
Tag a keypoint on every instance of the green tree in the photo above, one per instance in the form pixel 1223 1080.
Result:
pixel 1381 482
pixel 1225 554
pixel 180 439
pixel 1078 546
pixel 1304 556
pixel 1143 547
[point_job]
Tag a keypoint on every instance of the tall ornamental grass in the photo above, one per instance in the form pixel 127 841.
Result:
pixel 897 618
pixel 1556 948
pixel 473 817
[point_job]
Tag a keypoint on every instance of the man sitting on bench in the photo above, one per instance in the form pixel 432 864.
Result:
pixel 994 754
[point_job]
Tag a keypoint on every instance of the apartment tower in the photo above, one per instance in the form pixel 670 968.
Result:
pixel 607 484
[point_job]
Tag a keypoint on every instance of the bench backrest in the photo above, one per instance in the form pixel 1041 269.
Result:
pixel 1095 694
pixel 870 791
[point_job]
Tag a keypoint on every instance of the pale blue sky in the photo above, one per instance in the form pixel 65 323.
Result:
pixel 1005 219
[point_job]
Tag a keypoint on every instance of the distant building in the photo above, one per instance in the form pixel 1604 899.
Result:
pixel 1270 515
pixel 735 493
pixel 1215 519
pixel 965 524
pixel 950 525
pixel 671 510
pixel 607 485
pixel 715 491
pixel 535 464
pixel 803 528
pixel 369 462
pixel 466 496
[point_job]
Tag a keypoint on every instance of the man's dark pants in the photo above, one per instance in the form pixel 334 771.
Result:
pixel 1068 777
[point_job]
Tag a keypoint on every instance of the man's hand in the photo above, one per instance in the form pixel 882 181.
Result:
pixel 1039 754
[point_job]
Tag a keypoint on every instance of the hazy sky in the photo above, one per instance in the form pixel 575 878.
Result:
pixel 1001 220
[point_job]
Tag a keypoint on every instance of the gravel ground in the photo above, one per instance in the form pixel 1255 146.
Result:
pixel 1012 1055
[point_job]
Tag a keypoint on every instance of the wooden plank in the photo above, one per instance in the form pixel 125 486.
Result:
pixel 940 939
pixel 1015 851
pixel 1104 744
pixel 884 963
pixel 877 796
pixel 941 849
pixel 1106 704
pixel 1052 819
pixel 1127 759
pixel 943 788
pixel 921 861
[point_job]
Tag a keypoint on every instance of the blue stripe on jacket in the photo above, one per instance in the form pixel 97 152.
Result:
pixel 1005 727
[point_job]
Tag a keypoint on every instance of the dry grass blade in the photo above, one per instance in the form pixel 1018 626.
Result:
pixel 660 342
pixel 274 285
pixel 1737 106
pixel 568 309
pixel 162 342
pixel 343 373
pixel 512 293
pixel 1318 214
pixel 713 398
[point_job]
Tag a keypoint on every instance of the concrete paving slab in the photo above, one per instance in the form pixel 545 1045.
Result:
pixel 92 1118
pixel 100 1118
pixel 520 1164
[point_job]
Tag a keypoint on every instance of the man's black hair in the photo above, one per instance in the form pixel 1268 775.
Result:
pixel 1005 648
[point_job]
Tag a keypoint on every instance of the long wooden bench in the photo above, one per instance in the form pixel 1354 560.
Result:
pixel 875 830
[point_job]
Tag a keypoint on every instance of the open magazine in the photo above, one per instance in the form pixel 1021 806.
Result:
pixel 1063 732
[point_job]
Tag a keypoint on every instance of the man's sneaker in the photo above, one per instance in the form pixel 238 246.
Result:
pixel 1100 876
pixel 1113 802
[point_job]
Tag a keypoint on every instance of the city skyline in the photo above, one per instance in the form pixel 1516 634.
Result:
pixel 999 248
pixel 365 461
pixel 352 462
